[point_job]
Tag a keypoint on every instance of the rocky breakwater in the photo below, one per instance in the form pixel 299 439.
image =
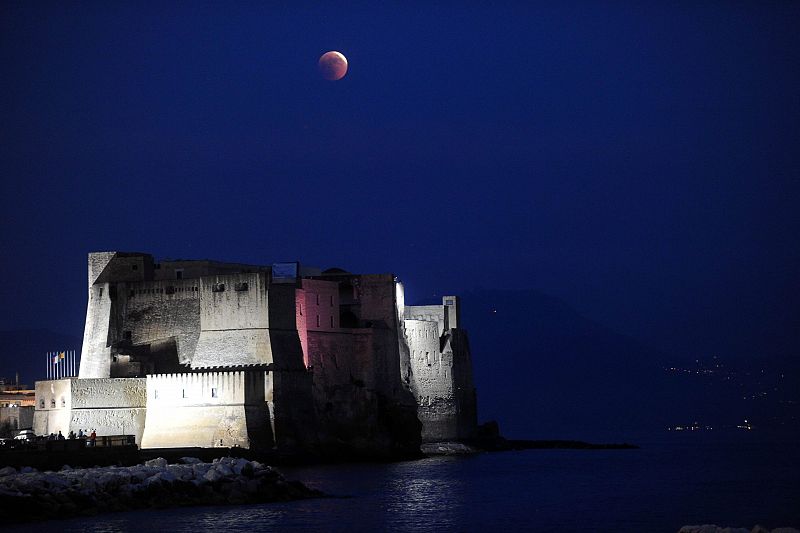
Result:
pixel 71 492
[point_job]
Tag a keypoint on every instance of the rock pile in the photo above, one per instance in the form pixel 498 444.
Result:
pixel 448 448
pixel 71 492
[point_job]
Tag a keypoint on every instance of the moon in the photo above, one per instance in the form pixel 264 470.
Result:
pixel 333 65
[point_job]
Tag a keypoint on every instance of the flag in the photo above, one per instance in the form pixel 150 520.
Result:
pixel 61 355
pixel 55 359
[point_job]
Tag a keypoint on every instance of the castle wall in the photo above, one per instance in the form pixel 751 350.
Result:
pixel 285 339
pixel 321 305
pixel 342 358
pixel 208 409
pixel 193 269
pixel 463 383
pixel 112 267
pixel 430 313
pixel 292 410
pixel 158 310
pixel 234 321
pixel 319 385
pixel 301 315
pixel 432 381
pixel 96 351
pixel 109 406
pixel 441 371
pixel 376 294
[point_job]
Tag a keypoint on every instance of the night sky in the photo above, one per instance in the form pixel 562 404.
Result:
pixel 640 161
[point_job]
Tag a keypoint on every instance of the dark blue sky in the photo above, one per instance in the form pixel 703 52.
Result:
pixel 640 161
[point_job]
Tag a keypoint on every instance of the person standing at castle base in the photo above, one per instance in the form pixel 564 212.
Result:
pixel 93 439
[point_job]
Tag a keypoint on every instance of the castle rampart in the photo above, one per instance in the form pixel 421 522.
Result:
pixel 231 356
pixel 207 409
pixel 109 406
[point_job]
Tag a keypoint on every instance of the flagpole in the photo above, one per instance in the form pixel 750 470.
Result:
pixel 47 366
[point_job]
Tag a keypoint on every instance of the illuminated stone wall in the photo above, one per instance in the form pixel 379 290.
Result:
pixel 207 409
pixel 109 406
pixel 341 358
pixel 234 321
pixel 152 311
pixel 96 351
pixel 321 310
pixel 440 373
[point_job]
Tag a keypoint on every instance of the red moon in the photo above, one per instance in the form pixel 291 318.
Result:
pixel 333 65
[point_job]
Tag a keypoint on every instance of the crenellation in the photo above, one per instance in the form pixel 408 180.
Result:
pixel 202 353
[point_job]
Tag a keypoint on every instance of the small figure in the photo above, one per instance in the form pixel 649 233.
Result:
pixel 93 438
pixel 60 436
pixel 80 434
pixel 71 435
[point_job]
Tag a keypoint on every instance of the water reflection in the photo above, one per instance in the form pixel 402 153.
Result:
pixel 423 495
pixel 653 489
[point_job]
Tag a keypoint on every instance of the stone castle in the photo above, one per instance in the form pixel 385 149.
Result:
pixel 209 354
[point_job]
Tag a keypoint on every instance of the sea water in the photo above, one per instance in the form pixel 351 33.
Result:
pixel 737 481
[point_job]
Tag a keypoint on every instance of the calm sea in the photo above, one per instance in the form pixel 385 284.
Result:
pixel 740 481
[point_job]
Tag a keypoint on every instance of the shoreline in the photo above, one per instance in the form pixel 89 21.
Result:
pixel 53 460
pixel 156 484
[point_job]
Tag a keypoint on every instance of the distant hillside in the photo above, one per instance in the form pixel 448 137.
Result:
pixel 545 371
pixel 24 351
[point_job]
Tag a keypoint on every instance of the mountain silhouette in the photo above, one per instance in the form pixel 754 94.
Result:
pixel 543 370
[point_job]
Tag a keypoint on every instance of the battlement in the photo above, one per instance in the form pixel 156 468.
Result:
pixel 206 388
pixel 233 354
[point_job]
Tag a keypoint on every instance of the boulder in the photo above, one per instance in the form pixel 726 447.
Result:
pixel 212 475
